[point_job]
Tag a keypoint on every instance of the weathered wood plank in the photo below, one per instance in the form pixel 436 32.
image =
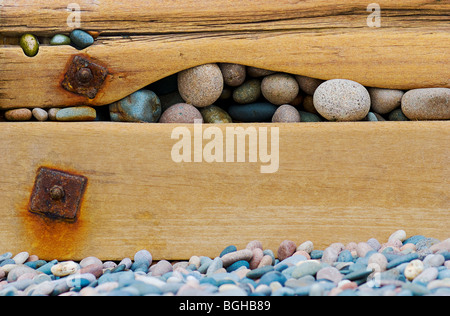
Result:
pixel 336 182
pixel 180 16
pixel 379 58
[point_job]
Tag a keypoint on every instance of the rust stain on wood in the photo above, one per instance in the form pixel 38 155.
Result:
pixel 84 77
pixel 57 194
pixel 54 237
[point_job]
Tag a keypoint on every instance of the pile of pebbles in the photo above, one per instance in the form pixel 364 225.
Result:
pixel 402 266
pixel 227 93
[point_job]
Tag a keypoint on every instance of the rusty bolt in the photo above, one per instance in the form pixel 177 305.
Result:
pixel 56 193
pixel 84 76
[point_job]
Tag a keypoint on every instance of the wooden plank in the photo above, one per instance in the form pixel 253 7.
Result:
pixel 181 16
pixel 337 182
pixel 377 58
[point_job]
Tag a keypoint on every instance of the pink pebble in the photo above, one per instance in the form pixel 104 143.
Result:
pixel 32 258
pixel 254 244
pixel 265 261
pixel 256 259
pixel 286 249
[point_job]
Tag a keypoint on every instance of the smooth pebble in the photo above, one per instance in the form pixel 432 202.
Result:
pixel 202 85
pixel 286 114
pixel 60 39
pixel 142 106
pixel 254 112
pixel 66 268
pixel 385 100
pixel 81 39
pixel 233 74
pixel 215 115
pixel 413 269
pixel 279 88
pixel 427 104
pixel 181 113
pixel 308 85
pixel 40 114
pixel 286 249
pixel 74 114
pixel 342 100
pixel 29 44
pixel 248 92
pixel 18 115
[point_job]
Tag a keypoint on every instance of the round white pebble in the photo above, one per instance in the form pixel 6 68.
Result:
pixel 342 100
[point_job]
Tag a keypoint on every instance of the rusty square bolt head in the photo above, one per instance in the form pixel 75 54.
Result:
pixel 84 77
pixel 57 194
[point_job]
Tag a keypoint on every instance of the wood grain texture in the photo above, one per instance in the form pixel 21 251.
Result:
pixel 182 16
pixel 315 38
pixel 375 58
pixel 337 182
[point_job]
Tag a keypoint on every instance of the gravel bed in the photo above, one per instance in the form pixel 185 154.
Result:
pixel 401 266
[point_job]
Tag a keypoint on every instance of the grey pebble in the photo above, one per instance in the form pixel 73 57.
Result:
pixel 342 100
pixel 385 100
pixel 427 275
pixel 21 258
pixel 308 85
pixel 215 265
pixel 286 114
pixel 40 114
pixel 427 104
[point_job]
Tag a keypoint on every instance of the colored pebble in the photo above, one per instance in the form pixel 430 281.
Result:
pixel 371 271
pixel 397 115
pixel 215 91
pixel 18 115
pixel 60 39
pixel 142 106
pixel 286 249
pixel 66 268
pixel 75 114
pixel 182 113
pixel 248 92
pixel 215 115
pixel 227 250
pixel 254 112
pixel 202 85
pixel 81 39
pixel 232 257
pixel 402 259
pixel 29 44
pixel 413 269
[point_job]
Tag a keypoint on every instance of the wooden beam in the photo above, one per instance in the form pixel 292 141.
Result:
pixel 378 58
pixel 46 18
pixel 337 182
